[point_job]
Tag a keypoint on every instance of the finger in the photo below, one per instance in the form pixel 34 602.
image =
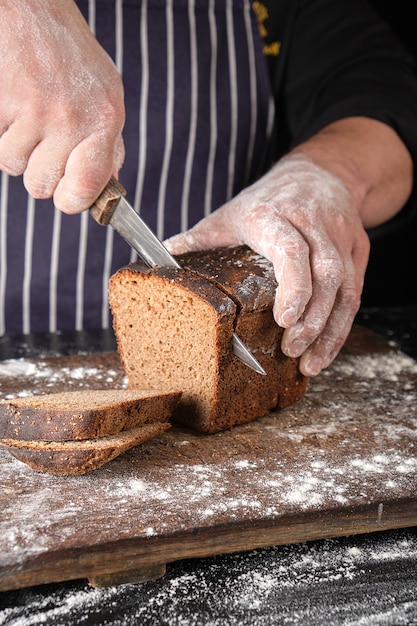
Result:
pixel 183 242
pixel 46 166
pixel 88 170
pixel 325 348
pixel 328 275
pixel 210 232
pixel 347 301
pixel 290 258
pixel 279 241
pixel 16 145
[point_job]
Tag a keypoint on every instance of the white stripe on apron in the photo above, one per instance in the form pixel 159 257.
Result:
pixel 53 296
pixel 169 119
pixel 27 278
pixel 213 110
pixel 3 249
pixel 193 117
pixel 233 97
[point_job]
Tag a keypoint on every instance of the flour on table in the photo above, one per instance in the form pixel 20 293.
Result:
pixel 385 366
pixel 41 376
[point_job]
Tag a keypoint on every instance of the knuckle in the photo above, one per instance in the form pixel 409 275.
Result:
pixel 312 326
pixel 328 345
pixel 13 161
pixel 78 193
pixel 331 271
pixel 37 188
pixel 110 116
pixel 295 248
pixel 350 299
pixel 12 168
pixel 41 183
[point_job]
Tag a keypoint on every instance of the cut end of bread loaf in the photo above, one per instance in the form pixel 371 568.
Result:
pixel 66 458
pixel 171 328
pixel 174 329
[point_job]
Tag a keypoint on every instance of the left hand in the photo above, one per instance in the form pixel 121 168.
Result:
pixel 304 220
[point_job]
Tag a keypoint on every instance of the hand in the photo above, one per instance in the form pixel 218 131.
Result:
pixel 302 218
pixel 61 103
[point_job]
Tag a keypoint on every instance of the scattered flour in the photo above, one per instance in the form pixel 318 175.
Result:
pixel 263 263
pixel 40 511
pixel 385 366
pixel 17 367
pixel 322 582
pixel 343 582
pixel 41 376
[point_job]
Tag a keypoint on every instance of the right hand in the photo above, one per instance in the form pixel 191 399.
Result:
pixel 61 104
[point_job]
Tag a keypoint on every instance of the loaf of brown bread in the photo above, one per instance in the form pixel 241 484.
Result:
pixel 83 414
pixel 79 457
pixel 174 329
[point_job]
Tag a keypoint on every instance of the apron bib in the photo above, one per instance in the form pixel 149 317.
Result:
pixel 199 117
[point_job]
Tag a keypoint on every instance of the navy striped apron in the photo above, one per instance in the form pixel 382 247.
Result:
pixel 199 116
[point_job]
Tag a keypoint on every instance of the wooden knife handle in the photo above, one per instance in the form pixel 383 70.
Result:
pixel 103 208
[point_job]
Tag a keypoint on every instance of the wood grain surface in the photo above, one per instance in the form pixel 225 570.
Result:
pixel 341 461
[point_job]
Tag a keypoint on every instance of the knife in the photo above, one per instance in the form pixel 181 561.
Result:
pixel 111 208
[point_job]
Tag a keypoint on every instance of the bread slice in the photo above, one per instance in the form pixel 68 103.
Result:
pixel 79 457
pixel 174 330
pixel 84 414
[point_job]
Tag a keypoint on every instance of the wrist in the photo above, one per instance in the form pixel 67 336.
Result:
pixel 372 162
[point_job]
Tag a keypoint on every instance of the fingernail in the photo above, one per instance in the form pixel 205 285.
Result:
pixel 288 317
pixel 296 348
pixel 313 366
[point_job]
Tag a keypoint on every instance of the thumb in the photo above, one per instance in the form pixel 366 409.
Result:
pixel 208 233
pixel 183 242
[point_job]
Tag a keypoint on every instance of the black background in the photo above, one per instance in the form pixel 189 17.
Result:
pixel 391 275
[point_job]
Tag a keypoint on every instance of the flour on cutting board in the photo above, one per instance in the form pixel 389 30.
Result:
pixel 40 374
pixel 340 447
pixel 181 495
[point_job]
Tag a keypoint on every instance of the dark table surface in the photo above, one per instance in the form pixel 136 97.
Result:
pixel 360 580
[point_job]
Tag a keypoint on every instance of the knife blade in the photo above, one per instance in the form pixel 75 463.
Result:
pixel 112 209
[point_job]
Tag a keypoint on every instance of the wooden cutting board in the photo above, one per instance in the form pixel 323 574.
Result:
pixel 341 461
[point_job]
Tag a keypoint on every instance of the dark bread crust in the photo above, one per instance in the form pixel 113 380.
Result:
pixel 214 293
pixel 243 275
pixel 84 414
pixel 67 458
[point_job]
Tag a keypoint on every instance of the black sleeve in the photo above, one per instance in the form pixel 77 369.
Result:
pixel 344 60
pixel 338 59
